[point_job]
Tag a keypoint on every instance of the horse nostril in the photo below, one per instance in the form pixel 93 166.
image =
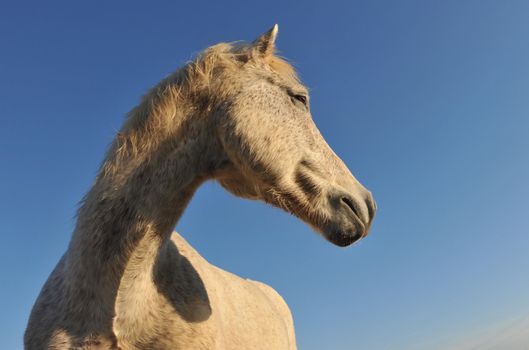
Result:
pixel 348 202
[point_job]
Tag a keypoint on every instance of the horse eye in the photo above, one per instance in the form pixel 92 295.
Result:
pixel 301 98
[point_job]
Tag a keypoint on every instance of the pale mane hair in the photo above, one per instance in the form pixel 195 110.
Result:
pixel 161 110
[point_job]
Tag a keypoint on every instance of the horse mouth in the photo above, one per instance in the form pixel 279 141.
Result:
pixel 343 228
pixel 341 216
pixel 345 233
pixel 345 225
pixel 343 240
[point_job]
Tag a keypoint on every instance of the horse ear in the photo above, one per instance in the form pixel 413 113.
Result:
pixel 265 44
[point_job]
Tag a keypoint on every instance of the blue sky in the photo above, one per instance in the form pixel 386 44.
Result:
pixel 425 101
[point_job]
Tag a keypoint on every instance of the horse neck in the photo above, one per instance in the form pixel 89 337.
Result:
pixel 130 212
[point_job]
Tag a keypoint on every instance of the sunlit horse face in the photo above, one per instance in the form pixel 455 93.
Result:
pixel 278 155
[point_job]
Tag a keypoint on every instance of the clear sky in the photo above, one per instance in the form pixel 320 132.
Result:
pixel 427 102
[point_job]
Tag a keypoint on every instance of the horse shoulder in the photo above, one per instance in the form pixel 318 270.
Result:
pixel 244 309
pixel 281 307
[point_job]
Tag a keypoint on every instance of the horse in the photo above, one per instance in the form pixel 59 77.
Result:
pixel 237 114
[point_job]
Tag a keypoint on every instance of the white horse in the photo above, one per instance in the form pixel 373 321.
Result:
pixel 237 114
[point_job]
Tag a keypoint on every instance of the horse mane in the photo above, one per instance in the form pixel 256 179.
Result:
pixel 198 74
pixel 161 109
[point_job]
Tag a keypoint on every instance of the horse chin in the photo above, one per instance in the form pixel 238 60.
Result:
pixel 342 228
pixel 342 236
pixel 342 239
